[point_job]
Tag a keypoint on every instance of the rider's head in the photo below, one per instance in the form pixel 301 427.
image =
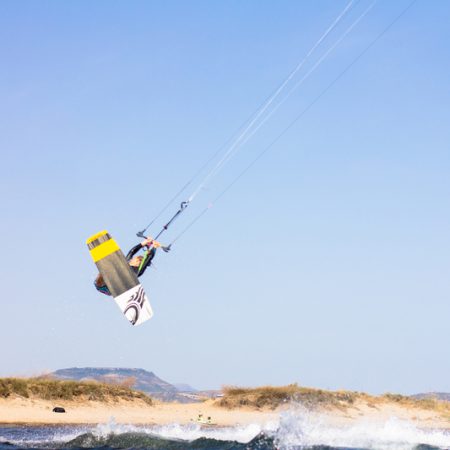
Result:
pixel 136 261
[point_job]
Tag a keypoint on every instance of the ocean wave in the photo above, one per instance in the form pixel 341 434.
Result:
pixel 297 429
pixel 141 441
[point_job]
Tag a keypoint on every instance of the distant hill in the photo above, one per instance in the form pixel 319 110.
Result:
pixel 138 379
pixel 443 396
pixel 183 387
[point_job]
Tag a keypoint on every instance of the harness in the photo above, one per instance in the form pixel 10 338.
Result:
pixel 103 289
pixel 147 254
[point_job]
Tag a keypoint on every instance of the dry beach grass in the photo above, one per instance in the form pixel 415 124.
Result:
pixel 48 389
pixel 31 401
pixel 273 397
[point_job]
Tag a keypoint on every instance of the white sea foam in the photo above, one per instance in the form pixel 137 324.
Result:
pixel 299 428
pixel 295 428
pixel 103 430
pixel 242 433
pixel 188 432
pixel 38 436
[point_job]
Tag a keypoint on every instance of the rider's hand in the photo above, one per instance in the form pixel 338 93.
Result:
pixel 147 242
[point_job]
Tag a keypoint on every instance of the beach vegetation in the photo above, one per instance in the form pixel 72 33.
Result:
pixel 49 389
pixel 273 397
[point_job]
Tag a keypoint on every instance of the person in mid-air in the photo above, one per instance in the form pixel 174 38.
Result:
pixel 137 263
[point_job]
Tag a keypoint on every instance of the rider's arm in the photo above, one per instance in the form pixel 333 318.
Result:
pixel 133 251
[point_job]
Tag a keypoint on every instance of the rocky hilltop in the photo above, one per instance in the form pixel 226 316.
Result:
pixel 139 379
pixel 442 396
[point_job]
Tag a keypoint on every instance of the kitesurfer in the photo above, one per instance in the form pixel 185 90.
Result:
pixel 137 263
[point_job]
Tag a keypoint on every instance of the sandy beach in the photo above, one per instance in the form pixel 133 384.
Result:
pixel 19 410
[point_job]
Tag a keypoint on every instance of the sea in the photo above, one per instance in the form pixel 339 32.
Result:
pixel 294 430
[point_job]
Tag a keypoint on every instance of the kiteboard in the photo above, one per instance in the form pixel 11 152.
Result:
pixel 122 282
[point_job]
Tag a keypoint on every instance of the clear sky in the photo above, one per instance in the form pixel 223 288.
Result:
pixel 327 264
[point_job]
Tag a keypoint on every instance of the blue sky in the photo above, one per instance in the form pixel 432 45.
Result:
pixel 326 265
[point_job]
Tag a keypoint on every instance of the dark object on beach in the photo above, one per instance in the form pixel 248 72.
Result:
pixel 58 409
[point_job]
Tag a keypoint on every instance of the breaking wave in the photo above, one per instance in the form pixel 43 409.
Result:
pixel 296 429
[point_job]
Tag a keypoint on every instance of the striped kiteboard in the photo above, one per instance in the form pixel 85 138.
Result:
pixel 122 282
